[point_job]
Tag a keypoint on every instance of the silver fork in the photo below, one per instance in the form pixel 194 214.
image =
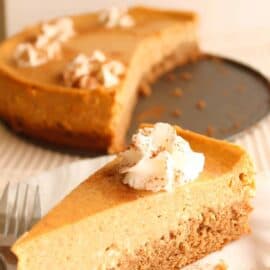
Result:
pixel 17 214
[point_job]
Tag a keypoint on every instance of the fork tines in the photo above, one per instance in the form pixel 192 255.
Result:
pixel 20 211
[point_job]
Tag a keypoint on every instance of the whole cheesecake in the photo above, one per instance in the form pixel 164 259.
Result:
pixel 107 224
pixel 35 101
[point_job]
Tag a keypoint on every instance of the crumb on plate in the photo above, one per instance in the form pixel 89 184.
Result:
pixel 177 92
pixel 201 104
pixel 210 131
pixel 176 113
pixel 241 88
pixel 221 266
pixel 170 77
pixel 186 76
pixel 145 89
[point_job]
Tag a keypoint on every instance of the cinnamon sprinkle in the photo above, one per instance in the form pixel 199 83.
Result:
pixel 153 112
pixel 225 92
pixel 177 113
pixel 170 77
pixel 221 266
pixel 145 89
pixel 241 88
pixel 236 125
pixel 210 131
pixel 201 104
pixel 186 76
pixel 177 92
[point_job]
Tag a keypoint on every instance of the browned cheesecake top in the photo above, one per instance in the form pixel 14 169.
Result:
pixel 90 34
pixel 104 190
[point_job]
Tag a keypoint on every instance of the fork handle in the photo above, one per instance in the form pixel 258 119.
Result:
pixel 8 259
pixel 3 265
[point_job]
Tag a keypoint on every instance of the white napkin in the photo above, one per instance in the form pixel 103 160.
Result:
pixel 249 253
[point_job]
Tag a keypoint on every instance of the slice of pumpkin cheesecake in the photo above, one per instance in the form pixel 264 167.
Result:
pixel 171 198
pixel 74 81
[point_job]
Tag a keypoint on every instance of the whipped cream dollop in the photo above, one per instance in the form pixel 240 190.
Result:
pixel 93 71
pixel 116 17
pixel 47 44
pixel 159 159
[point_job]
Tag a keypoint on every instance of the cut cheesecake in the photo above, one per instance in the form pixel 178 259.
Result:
pixel 105 224
pixel 34 100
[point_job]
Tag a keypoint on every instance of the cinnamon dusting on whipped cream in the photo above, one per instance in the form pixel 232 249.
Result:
pixel 47 44
pixel 116 17
pixel 91 72
pixel 159 159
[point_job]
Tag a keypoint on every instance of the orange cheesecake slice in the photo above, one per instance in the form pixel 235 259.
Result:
pixel 105 224
pixel 34 100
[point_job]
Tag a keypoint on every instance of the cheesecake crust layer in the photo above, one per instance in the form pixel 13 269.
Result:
pixel 216 228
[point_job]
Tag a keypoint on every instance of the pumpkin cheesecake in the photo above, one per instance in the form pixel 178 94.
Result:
pixel 74 81
pixel 173 197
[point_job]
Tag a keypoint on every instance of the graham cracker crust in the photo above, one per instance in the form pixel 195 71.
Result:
pixel 59 137
pixel 209 234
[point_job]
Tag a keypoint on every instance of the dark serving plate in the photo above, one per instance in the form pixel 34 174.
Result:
pixel 214 95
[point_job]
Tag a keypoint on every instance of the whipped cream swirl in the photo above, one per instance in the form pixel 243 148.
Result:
pixel 158 159
pixel 46 46
pixel 116 17
pixel 93 71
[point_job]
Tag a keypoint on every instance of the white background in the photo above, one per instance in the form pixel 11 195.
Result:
pixel 217 16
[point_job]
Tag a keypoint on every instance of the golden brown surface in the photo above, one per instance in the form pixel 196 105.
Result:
pixel 35 102
pixel 108 219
